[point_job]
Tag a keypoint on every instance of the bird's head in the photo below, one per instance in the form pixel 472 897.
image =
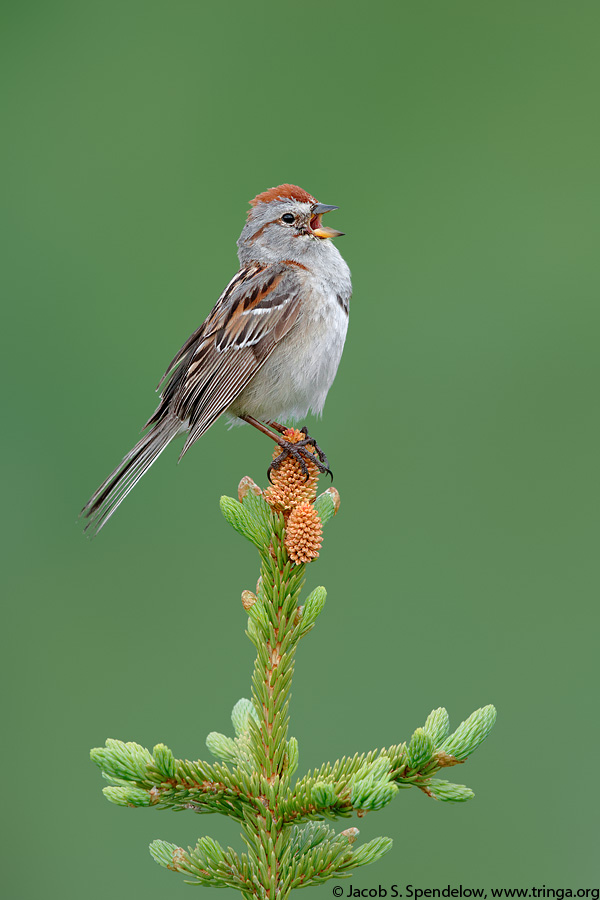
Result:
pixel 284 223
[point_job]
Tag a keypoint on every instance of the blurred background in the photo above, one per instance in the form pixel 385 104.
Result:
pixel 460 141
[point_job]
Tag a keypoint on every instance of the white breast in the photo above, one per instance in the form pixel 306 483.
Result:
pixel 300 371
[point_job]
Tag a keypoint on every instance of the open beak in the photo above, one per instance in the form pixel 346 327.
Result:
pixel 315 223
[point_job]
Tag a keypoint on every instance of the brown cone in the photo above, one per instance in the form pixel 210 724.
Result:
pixel 303 534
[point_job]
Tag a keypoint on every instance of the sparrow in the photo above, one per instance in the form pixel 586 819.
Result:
pixel 268 351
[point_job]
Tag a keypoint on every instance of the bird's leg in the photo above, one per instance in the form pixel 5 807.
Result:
pixel 278 427
pixel 297 450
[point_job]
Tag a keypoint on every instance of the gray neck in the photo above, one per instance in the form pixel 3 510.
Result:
pixel 319 255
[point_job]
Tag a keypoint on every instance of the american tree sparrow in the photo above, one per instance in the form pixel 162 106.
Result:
pixel 268 351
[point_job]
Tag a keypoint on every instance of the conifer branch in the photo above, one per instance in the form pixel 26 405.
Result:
pixel 288 843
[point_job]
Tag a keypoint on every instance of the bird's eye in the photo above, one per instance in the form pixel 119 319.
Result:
pixel 287 217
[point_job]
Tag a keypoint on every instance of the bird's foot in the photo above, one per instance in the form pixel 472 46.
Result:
pixel 299 451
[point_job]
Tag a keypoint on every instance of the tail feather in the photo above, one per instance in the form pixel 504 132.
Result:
pixel 111 493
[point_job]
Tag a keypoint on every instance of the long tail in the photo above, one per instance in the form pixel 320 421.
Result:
pixel 113 491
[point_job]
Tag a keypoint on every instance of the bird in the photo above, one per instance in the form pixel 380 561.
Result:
pixel 267 352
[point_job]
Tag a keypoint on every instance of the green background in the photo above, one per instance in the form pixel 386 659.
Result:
pixel 460 140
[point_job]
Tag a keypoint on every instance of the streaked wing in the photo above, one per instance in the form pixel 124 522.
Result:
pixel 244 275
pixel 258 307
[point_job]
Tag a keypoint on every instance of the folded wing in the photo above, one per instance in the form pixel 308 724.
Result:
pixel 256 310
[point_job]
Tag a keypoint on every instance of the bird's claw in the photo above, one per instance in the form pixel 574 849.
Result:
pixel 298 451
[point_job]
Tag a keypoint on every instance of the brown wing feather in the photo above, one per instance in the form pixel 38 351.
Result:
pixel 256 310
pixel 243 275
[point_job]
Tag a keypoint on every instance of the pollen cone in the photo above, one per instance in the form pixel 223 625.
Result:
pixel 303 533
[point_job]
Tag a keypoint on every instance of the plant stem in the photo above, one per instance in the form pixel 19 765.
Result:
pixel 275 637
